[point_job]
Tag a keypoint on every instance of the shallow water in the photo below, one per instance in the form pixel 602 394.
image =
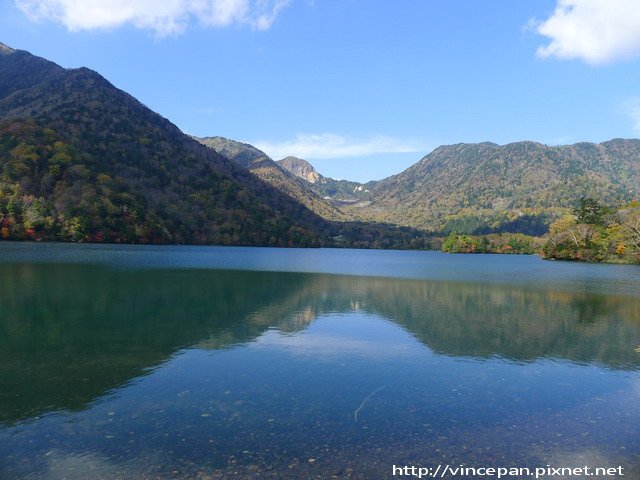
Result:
pixel 194 362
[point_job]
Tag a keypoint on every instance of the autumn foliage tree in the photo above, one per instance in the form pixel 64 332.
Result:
pixel 596 233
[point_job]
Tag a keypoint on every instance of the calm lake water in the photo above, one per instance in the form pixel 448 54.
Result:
pixel 126 362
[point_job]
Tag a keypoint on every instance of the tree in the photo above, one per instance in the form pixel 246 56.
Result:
pixel 591 211
pixel 613 235
pixel 631 227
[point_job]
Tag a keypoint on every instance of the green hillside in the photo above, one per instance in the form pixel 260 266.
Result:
pixel 81 160
pixel 519 187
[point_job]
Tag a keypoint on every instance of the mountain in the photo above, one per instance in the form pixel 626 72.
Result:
pixel 339 192
pixel 300 168
pixel 259 163
pixel 243 154
pixel 471 188
pixel 480 188
pixel 344 230
pixel 84 161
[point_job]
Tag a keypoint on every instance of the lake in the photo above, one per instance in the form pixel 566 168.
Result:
pixel 131 362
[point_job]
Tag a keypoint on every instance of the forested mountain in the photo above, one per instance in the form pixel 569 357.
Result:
pixel 519 187
pixel 339 192
pixel 261 165
pixel 344 230
pixel 81 160
pixel 480 188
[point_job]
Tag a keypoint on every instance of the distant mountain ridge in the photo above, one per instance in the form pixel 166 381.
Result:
pixel 243 154
pixel 294 176
pixel 339 192
pixel 261 165
pixel 300 168
pixel 485 187
pixel 470 186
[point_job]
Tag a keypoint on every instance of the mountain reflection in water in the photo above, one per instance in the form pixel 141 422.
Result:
pixel 145 372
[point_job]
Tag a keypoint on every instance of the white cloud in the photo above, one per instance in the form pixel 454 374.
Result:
pixel 164 17
pixel 331 145
pixel 596 31
pixel 632 108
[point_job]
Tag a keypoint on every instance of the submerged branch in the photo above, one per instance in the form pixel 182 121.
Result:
pixel 355 414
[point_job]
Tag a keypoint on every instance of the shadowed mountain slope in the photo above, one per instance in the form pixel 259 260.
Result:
pixel 84 161
pixel 261 165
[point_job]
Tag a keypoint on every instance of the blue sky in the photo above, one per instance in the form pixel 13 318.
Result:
pixel 361 88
